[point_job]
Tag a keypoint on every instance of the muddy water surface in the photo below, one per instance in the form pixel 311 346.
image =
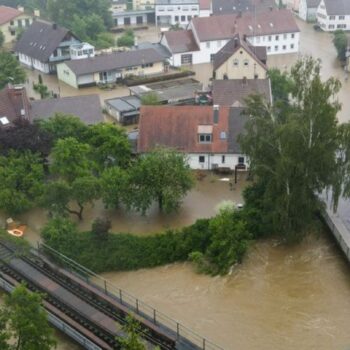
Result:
pixel 280 298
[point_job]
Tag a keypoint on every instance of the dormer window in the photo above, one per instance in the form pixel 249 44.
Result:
pixel 205 138
pixel 205 133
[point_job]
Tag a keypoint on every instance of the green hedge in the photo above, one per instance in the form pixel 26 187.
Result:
pixel 221 242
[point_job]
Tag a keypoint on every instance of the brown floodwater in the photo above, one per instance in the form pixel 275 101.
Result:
pixel 281 297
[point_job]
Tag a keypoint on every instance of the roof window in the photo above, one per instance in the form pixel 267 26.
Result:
pixel 4 121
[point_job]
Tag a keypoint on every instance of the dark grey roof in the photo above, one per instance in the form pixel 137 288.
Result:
pixel 234 92
pixel 113 61
pixel 40 40
pixel 236 124
pixel 233 45
pixel 161 49
pixel 87 108
pixel 312 3
pixel 124 104
pixel 235 6
pixel 337 7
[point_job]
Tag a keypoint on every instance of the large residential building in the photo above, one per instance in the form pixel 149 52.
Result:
pixel 206 134
pixel 109 68
pixel 224 7
pixel 274 29
pixel 12 21
pixel 333 15
pixel 239 60
pixel 181 12
pixel 308 9
pixel 44 44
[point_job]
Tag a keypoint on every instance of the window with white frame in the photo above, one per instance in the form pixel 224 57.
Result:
pixel 207 44
pixel 205 138
pixel 235 62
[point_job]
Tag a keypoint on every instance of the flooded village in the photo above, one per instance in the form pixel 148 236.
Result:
pixel 282 296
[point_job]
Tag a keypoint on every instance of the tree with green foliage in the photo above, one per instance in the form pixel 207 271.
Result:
pixel 26 322
pixel 340 41
pixel 21 178
pixel 2 39
pixel 127 39
pixel 11 71
pixel 104 41
pixel 109 145
pixel 61 197
pixel 115 187
pixel 150 99
pixel 292 151
pixel 74 180
pixel 281 85
pixel 63 11
pixel 25 136
pixel 62 126
pixel 162 175
pixel 41 88
pixel 132 340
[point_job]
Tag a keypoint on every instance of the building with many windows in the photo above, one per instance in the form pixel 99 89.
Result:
pixel 274 29
pixel 43 45
pixel 181 12
pixel 333 15
pixel 12 21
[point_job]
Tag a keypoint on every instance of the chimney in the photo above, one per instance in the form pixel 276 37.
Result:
pixel 271 8
pixel 244 38
pixel 235 42
pixel 215 114
pixel 239 14
pixel 54 26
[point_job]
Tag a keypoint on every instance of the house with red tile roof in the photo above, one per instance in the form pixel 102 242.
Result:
pixel 275 29
pixel 13 20
pixel 208 135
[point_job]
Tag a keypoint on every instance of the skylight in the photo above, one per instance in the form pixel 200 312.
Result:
pixel 4 121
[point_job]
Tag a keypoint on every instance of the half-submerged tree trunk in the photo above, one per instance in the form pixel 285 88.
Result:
pixel 79 213
pixel 160 202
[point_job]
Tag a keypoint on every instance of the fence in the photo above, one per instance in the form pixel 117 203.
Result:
pixel 339 231
pixel 186 338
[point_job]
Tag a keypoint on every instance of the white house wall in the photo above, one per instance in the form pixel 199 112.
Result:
pixel 303 10
pixel 331 23
pixel 34 64
pixel 214 160
pixel 177 13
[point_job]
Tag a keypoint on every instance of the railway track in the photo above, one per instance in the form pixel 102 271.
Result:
pixel 99 315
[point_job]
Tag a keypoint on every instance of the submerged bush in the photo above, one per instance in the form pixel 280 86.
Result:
pixel 214 244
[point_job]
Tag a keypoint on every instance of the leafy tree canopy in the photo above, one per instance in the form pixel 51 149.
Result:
pixel 61 126
pixel 23 136
pixel 293 151
pixel 26 322
pixel 21 178
pixel 11 71
pixel 110 145
pixel 340 41
pixel 163 176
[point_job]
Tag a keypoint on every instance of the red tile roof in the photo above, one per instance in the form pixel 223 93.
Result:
pixel 204 4
pixel 181 41
pixel 177 127
pixel 264 23
pixel 8 13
